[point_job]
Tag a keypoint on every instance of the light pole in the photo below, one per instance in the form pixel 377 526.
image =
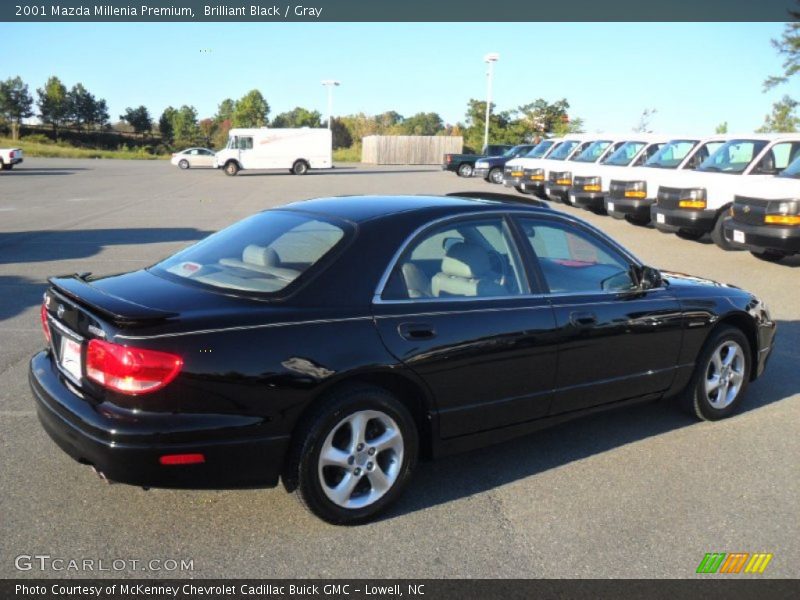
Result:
pixel 330 84
pixel 489 59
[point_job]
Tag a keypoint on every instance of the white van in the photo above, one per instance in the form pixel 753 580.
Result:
pixel 297 150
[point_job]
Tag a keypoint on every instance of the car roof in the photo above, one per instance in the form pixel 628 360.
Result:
pixel 359 209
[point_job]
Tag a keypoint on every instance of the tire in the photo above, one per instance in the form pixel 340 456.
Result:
pixel 5 167
pixel 718 235
pixel 375 413
pixel 183 163
pixel 727 352
pixel 464 170
pixel 522 191
pixel 689 234
pixel 768 255
pixel 300 167
pixel 640 221
pixel 231 168
pixel 495 176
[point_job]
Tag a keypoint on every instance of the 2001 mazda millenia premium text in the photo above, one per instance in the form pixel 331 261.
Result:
pixel 331 342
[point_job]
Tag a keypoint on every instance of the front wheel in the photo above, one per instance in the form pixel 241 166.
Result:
pixel 356 455
pixel 718 235
pixel 183 164
pixel 690 234
pixel 464 170
pixel 640 221
pixel 231 168
pixel 496 176
pixel 720 377
pixel 768 255
pixel 300 167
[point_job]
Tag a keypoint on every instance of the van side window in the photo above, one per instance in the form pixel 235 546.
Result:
pixel 245 143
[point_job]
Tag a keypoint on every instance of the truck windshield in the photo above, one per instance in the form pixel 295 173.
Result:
pixel 733 157
pixel 540 149
pixel 593 152
pixel 563 150
pixel 793 170
pixel 516 151
pixel 624 154
pixel 671 155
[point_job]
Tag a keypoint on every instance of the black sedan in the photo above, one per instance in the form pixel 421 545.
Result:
pixel 331 343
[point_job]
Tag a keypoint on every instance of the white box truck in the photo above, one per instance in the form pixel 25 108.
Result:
pixel 297 150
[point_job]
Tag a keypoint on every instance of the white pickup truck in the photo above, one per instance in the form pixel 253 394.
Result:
pixel 694 203
pixel 590 181
pixel 10 157
pixel 765 216
pixel 632 191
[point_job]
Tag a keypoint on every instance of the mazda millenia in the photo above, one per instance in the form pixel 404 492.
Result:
pixel 331 343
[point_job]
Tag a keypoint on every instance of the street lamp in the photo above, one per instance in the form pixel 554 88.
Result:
pixel 330 84
pixel 489 59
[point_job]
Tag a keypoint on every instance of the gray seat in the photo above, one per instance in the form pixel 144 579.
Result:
pixel 466 271
pixel 263 260
pixel 417 283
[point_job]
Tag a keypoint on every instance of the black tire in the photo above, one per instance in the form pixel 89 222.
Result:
pixel 183 163
pixel 300 167
pixel 690 234
pixel 522 191
pixel 640 221
pixel 231 168
pixel 695 399
pixel 314 482
pixel 768 255
pixel 495 176
pixel 464 170
pixel 5 167
pixel 718 235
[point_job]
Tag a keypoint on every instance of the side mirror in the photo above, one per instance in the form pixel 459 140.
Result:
pixel 650 278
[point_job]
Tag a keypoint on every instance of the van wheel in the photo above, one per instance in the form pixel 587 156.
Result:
pixel 718 235
pixel 768 255
pixel 300 167
pixel 355 455
pixel 689 234
pixel 641 221
pixel 231 168
pixel 496 176
pixel 464 170
pixel 183 164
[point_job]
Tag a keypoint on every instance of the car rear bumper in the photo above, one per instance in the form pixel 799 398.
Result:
pixel 631 207
pixel 126 446
pixel 762 237
pixel 592 200
pixel 670 219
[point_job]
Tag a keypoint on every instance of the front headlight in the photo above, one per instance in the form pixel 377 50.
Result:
pixel 636 189
pixel 564 178
pixel 589 184
pixel 535 174
pixel 695 199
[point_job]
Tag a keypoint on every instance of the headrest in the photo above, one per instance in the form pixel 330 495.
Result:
pixel 260 255
pixel 466 260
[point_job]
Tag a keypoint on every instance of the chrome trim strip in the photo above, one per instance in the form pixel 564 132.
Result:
pixel 462 312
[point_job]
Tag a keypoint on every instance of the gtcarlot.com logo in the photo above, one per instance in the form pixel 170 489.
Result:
pixel 733 563
pixel 45 562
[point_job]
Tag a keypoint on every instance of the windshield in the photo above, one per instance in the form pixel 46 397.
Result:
pixel 671 155
pixel 733 157
pixel 563 150
pixel 540 150
pixel 593 152
pixel 624 154
pixel 264 253
pixel 516 151
pixel 793 170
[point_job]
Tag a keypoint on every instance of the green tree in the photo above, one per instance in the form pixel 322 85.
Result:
pixel 541 116
pixel 250 110
pixel 722 128
pixel 566 126
pixel 298 117
pixel 208 128
pixel 138 118
pixel 184 126
pixel 84 109
pixel 499 121
pixel 341 135
pixel 16 103
pixel 388 120
pixel 783 118
pixel 422 124
pixel 225 111
pixel 54 106
pixel 165 127
pixel 643 126
pixel 787 45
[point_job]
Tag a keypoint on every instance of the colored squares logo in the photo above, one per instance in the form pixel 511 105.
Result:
pixel 733 563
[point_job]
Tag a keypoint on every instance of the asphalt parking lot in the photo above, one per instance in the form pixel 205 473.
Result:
pixel 640 493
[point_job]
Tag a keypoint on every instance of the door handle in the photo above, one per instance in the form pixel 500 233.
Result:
pixel 416 331
pixel 583 319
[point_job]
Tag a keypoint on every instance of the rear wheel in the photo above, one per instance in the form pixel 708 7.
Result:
pixel 464 170
pixel 4 166
pixel 183 164
pixel 355 455
pixel 231 168
pixel 718 235
pixel 768 255
pixel 496 176
pixel 300 167
pixel 721 375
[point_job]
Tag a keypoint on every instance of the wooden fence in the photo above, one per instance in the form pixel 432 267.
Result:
pixel 408 149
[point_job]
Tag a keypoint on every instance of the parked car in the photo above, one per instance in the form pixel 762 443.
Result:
pixel 10 157
pixel 491 167
pixel 464 164
pixel 193 158
pixel 296 150
pixel 695 203
pixel 534 170
pixel 513 175
pixel 765 217
pixel 590 180
pixel 633 191
pixel 332 342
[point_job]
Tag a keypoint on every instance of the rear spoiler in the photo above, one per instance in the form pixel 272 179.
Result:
pixel 78 289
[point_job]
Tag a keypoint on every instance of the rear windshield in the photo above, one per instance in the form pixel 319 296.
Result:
pixel 540 149
pixel 733 157
pixel 624 154
pixel 264 253
pixel 593 152
pixel 563 150
pixel 671 155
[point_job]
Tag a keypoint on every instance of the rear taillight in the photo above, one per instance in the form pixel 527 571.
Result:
pixel 130 370
pixel 45 324
pixel 11 154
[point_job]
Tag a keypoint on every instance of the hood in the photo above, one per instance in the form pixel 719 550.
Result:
pixel 773 188
pixel 683 280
